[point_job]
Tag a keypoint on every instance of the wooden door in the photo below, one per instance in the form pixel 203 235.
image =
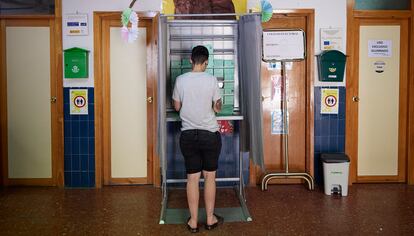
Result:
pixel 31 134
pixel 299 87
pixel 377 101
pixel 128 106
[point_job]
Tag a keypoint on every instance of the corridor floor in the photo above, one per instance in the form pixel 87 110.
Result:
pixel 369 209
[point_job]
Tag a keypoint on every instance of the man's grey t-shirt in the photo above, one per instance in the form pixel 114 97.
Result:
pixel 197 91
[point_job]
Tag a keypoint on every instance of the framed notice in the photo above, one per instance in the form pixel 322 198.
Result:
pixel 331 39
pixel 283 45
pixel 76 24
pixel 329 101
pixel 78 101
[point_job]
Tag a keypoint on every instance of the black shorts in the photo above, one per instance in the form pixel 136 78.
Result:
pixel 201 150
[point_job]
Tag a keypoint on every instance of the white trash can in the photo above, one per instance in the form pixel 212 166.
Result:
pixel 335 173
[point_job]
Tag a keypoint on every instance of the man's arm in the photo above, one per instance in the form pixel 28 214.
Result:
pixel 177 105
pixel 217 106
pixel 217 100
pixel 176 100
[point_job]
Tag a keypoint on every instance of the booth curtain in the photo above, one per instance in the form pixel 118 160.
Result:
pixel 161 94
pixel 250 54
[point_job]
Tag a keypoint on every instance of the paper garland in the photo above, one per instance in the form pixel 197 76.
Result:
pixel 267 10
pixel 129 34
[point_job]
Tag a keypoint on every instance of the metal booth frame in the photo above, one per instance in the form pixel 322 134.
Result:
pixel 236 116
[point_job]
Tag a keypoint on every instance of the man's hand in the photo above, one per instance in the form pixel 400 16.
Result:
pixel 177 105
pixel 217 106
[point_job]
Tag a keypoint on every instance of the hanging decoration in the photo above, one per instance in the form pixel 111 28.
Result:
pixel 267 10
pixel 129 34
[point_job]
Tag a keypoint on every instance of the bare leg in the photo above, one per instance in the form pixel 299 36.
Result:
pixel 193 194
pixel 210 195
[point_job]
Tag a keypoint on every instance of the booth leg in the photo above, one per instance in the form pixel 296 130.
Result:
pixel 243 205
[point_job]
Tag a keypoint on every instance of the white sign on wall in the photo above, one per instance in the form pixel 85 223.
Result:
pixel 379 48
pixel 331 39
pixel 283 45
pixel 76 24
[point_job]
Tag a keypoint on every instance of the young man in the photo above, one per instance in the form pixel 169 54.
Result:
pixel 196 96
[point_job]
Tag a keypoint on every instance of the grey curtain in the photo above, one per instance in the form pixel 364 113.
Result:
pixel 161 93
pixel 250 54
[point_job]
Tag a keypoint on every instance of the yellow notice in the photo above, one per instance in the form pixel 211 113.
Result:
pixel 329 101
pixel 78 101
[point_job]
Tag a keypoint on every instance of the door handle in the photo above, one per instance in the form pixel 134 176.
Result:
pixel 53 99
pixel 149 99
pixel 263 98
pixel 355 99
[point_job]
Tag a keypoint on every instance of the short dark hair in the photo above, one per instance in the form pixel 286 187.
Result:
pixel 199 54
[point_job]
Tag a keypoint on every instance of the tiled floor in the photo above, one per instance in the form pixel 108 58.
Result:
pixel 385 209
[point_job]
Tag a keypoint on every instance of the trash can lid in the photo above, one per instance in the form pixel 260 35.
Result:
pixel 334 157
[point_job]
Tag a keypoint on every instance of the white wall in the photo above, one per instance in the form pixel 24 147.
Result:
pixel 328 13
pixel 86 42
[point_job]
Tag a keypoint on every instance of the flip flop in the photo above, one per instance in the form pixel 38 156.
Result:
pixel 220 221
pixel 192 230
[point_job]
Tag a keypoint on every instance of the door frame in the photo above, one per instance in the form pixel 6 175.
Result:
pixel 309 14
pixel 102 108
pixel 406 100
pixel 56 85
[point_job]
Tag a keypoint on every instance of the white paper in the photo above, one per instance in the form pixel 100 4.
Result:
pixel 331 39
pixel 283 45
pixel 379 48
pixel 76 24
